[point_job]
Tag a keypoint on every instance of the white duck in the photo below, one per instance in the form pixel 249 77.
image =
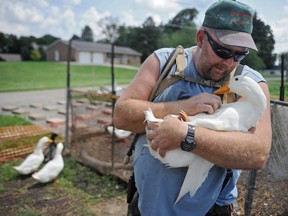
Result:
pixel 238 116
pixel 53 168
pixel 34 160
pixel 119 133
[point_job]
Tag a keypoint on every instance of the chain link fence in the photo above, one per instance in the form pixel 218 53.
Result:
pixel 265 192
pixel 261 193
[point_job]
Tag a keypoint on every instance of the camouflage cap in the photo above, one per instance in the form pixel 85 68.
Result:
pixel 232 22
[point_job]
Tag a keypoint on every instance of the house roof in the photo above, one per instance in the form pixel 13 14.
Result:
pixel 87 46
pixel 10 57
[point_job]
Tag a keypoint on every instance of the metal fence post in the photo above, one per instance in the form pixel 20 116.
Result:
pixel 250 193
pixel 67 140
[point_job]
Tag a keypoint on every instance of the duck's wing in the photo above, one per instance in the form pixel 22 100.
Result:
pixel 30 164
pixel 178 158
pixel 224 119
pixel 196 174
pixel 122 133
pixel 50 171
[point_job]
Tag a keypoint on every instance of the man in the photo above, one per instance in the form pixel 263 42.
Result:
pixel 222 42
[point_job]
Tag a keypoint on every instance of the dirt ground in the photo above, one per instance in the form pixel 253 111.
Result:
pixel 269 198
pixel 31 198
pixel 92 145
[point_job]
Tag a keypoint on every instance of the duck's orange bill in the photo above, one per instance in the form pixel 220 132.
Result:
pixel 223 89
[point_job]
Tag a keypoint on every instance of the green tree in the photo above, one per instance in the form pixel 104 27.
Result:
pixel 42 53
pixel 35 55
pixel 183 18
pixel 264 39
pixel 25 44
pixel 144 39
pixel 181 30
pixel 46 40
pixel 110 26
pixel 185 37
pixel 148 37
pixel 75 37
pixel 87 34
pixel 254 61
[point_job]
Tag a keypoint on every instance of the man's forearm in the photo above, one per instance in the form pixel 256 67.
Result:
pixel 235 150
pixel 129 114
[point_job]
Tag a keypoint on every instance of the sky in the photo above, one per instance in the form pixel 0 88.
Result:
pixel 64 18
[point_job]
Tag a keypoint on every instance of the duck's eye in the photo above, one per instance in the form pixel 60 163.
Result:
pixel 236 79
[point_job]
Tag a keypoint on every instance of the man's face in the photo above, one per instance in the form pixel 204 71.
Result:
pixel 215 60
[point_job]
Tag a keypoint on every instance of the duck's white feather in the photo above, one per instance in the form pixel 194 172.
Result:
pixel 53 168
pixel 34 160
pixel 238 116
pixel 119 133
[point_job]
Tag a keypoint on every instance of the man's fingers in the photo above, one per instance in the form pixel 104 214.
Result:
pixel 162 153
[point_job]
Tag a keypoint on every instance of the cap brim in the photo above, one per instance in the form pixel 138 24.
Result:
pixel 236 38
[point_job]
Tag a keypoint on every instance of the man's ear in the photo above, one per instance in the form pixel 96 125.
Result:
pixel 200 35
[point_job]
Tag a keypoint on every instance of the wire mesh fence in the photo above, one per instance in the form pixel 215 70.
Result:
pixel 261 193
pixel 91 141
pixel 271 192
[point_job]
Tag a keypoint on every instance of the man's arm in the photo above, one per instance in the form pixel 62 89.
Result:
pixel 130 107
pixel 235 150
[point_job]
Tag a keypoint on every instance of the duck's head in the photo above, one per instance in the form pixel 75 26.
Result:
pixel 247 88
pixel 44 141
pixel 60 147
pixel 241 85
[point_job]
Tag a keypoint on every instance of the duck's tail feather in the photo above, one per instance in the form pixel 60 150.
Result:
pixel 196 174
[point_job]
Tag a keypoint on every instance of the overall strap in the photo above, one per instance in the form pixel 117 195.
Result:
pixel 179 75
pixel 178 56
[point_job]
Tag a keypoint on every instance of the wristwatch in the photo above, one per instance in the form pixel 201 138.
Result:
pixel 188 144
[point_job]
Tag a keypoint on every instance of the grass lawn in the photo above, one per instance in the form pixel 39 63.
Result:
pixel 12 121
pixel 274 89
pixel 21 76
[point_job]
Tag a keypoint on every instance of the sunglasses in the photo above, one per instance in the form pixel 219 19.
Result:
pixel 223 52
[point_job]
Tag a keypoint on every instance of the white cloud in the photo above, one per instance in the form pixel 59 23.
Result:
pixel 280 33
pixel 72 2
pixel 63 18
pixel 91 17
pixel 128 19
pixel 21 13
pixel 160 5
pixel 156 17
pixel 61 23
pixel 41 3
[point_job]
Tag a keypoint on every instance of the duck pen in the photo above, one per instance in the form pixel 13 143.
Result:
pixel 263 192
pixel 91 142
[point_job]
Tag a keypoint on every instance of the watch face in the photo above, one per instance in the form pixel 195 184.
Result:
pixel 187 146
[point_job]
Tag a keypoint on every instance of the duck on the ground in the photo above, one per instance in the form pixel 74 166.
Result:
pixel 237 116
pixel 53 168
pixel 119 133
pixel 51 149
pixel 34 160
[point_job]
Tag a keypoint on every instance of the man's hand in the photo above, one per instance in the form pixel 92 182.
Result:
pixel 201 103
pixel 166 135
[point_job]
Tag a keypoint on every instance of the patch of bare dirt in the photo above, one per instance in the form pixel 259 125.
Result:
pixel 24 195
